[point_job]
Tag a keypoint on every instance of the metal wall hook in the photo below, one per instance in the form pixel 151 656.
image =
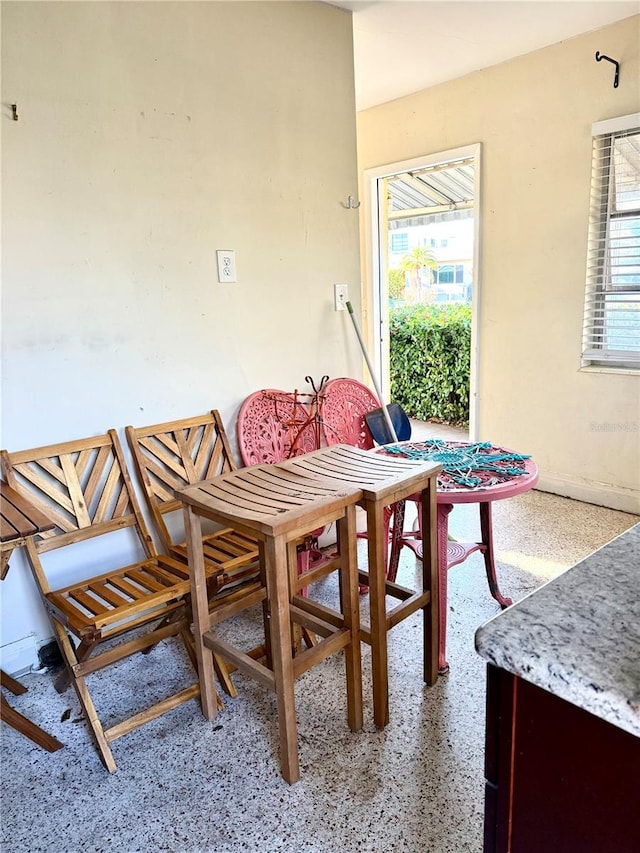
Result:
pixel 14 110
pixel 616 79
pixel 351 204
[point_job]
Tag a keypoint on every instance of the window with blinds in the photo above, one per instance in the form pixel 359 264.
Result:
pixel 611 336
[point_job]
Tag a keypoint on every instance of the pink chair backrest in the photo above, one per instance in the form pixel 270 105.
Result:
pixel 346 402
pixel 269 423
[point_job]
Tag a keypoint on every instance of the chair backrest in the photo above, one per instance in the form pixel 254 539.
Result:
pixel 274 426
pixel 346 402
pixel 177 454
pixel 82 486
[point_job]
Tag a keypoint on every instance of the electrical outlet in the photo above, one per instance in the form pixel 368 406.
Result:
pixel 340 296
pixel 226 265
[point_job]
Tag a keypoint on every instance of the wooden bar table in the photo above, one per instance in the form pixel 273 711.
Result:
pixel 20 520
pixel 277 507
pixel 385 480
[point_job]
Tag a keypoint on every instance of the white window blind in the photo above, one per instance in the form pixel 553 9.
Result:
pixel 611 335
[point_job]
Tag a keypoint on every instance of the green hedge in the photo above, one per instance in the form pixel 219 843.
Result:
pixel 430 348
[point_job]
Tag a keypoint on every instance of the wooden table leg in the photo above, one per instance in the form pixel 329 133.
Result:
pixel 377 549
pixel 200 607
pixel 29 729
pixel 350 604
pixel 275 556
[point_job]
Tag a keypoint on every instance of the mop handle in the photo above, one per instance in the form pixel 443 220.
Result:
pixel 385 411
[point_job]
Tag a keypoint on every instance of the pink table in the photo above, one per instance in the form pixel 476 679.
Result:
pixel 452 553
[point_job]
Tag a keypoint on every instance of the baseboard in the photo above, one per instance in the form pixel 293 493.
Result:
pixel 601 494
pixel 20 657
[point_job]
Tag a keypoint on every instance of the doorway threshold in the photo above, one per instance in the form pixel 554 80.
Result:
pixel 422 430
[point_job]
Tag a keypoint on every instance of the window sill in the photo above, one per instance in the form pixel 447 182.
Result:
pixel 597 368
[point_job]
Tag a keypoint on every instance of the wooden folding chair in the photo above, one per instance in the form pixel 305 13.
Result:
pixel 84 488
pixel 177 454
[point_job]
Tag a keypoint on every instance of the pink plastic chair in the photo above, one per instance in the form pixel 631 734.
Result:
pixel 273 426
pixel 346 402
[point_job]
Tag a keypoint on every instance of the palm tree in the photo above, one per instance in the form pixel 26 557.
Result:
pixel 397 283
pixel 413 263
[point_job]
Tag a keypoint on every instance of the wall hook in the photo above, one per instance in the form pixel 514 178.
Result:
pixel 351 204
pixel 616 79
pixel 14 110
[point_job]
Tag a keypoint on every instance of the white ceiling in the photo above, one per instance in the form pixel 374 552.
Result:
pixel 404 46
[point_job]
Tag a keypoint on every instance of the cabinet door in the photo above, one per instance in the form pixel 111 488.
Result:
pixel 562 779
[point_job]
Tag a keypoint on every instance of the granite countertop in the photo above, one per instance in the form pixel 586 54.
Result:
pixel 578 636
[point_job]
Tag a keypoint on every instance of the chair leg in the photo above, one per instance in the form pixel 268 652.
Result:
pixel 275 554
pixel 351 610
pixel 224 677
pixel 220 666
pixel 266 617
pixel 11 684
pixel 62 681
pixel 309 638
pixel 28 728
pixel 377 546
pixel 209 697
pixel 303 562
pixel 299 559
pixel 79 683
pixel 396 539
pixel 183 612
pixel 303 559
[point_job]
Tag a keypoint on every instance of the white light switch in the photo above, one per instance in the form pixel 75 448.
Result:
pixel 340 296
pixel 226 265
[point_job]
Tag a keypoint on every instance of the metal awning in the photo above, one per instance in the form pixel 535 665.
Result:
pixel 442 188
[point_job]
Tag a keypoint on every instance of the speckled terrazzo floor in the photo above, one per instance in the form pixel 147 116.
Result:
pixel 188 786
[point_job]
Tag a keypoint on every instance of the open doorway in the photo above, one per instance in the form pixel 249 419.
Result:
pixel 424 276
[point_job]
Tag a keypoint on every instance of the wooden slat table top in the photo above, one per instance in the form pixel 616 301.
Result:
pixel 268 499
pixel 377 475
pixel 19 518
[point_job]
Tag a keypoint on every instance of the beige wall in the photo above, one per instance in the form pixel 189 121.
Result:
pixel 150 135
pixel 533 117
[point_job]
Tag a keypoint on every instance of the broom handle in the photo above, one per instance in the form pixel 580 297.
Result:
pixel 385 411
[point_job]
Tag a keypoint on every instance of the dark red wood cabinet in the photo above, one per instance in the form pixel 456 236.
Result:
pixel 558 778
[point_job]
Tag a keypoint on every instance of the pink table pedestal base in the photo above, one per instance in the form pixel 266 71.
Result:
pixel 451 554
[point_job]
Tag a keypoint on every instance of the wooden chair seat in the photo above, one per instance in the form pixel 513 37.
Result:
pixel 230 557
pixel 115 602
